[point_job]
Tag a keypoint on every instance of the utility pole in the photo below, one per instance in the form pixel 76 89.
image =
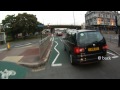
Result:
pixel 74 18
pixel 116 20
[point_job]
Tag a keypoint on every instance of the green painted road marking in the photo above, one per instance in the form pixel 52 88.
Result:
pixel 18 72
pixel 53 54
pixel 63 54
pixel 58 53
pixel 63 57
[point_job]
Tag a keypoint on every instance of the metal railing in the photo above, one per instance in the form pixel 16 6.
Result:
pixel 113 38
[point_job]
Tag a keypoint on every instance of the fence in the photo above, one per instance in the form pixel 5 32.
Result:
pixel 113 38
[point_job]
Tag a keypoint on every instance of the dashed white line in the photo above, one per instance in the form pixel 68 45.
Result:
pixel 61 40
pixel 53 63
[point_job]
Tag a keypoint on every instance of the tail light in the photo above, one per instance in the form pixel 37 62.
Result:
pixel 78 50
pixel 105 47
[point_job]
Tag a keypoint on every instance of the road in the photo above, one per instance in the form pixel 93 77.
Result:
pixel 59 67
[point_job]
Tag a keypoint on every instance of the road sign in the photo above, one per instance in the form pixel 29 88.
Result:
pixel 40 25
pixel 2 37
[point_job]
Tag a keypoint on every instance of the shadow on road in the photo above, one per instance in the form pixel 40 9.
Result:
pixel 89 66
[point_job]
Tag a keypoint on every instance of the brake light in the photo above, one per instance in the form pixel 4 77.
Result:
pixel 78 50
pixel 105 47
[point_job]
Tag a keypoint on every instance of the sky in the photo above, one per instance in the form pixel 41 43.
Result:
pixel 52 17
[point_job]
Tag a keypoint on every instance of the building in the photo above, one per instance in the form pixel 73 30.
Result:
pixel 102 20
pixel 83 26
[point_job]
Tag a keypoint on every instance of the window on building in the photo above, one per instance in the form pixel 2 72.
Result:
pixel 106 15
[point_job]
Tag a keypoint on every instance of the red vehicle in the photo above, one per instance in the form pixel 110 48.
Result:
pixel 59 33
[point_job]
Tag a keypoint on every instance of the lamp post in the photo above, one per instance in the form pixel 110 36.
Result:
pixel 116 20
pixel 74 18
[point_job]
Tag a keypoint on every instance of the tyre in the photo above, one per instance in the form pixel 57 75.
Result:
pixel 71 60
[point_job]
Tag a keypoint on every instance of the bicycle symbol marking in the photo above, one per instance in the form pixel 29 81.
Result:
pixel 6 73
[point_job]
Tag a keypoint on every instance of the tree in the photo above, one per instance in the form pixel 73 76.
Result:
pixel 7 24
pixel 22 23
pixel 26 23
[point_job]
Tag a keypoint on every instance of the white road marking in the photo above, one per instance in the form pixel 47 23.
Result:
pixel 61 40
pixel 26 46
pixel 23 45
pixel 110 53
pixel 53 63
pixel 114 56
pixel 6 73
pixel 3 49
pixel 53 39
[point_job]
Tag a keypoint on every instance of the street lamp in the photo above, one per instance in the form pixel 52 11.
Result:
pixel 74 18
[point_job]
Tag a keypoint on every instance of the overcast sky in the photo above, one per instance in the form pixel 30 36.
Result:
pixel 52 17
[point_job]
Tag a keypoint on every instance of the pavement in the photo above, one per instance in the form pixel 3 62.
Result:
pixel 113 47
pixel 27 56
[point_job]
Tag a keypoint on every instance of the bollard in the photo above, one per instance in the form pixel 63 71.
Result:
pixel 8 46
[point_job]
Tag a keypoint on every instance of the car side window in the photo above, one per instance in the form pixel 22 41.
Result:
pixel 72 38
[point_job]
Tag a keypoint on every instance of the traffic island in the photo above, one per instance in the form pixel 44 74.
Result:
pixel 37 57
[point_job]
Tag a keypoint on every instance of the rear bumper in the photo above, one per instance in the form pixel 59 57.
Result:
pixel 89 58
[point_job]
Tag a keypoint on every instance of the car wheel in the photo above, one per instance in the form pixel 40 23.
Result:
pixel 71 60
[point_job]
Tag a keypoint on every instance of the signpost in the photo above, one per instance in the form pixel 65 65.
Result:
pixel 2 37
pixel 117 18
pixel 41 26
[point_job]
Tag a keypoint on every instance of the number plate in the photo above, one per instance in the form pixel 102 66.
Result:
pixel 93 49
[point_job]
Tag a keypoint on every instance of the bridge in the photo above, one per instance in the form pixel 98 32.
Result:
pixel 63 26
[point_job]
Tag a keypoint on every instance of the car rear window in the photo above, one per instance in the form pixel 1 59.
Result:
pixel 89 37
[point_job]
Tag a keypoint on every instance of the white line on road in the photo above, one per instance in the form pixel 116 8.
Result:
pixel 23 45
pixel 61 40
pixel 111 53
pixel 53 39
pixel 3 49
pixel 114 56
pixel 53 63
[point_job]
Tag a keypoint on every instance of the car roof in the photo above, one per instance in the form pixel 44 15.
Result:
pixel 85 30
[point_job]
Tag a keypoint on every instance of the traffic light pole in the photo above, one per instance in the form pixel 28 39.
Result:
pixel 118 36
pixel 118 31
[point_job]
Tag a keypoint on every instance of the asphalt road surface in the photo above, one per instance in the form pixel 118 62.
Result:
pixel 59 67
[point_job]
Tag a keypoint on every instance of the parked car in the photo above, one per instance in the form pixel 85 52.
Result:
pixel 85 46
